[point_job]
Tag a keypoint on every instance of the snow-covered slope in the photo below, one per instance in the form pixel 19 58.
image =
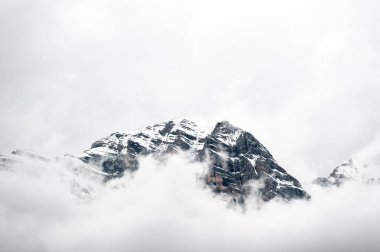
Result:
pixel 179 134
pixel 235 157
pixel 80 179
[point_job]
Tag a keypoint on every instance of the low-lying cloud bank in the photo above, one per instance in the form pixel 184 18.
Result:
pixel 166 207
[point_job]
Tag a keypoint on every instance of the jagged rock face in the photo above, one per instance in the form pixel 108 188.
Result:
pixel 235 157
pixel 347 171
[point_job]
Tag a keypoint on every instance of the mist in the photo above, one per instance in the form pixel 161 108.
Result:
pixel 167 207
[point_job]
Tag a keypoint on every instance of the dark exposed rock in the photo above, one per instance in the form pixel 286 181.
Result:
pixel 235 156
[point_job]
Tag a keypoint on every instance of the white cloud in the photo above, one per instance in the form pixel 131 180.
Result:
pixel 165 207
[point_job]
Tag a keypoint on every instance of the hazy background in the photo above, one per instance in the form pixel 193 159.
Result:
pixel 302 76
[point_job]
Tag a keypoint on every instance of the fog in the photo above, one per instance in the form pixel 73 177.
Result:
pixel 167 207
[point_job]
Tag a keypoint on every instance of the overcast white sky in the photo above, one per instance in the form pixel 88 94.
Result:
pixel 302 76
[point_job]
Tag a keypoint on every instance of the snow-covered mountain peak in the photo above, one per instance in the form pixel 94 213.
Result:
pixel 235 156
pixel 226 133
pixel 347 171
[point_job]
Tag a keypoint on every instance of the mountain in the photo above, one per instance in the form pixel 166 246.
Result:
pixel 236 158
pixel 347 171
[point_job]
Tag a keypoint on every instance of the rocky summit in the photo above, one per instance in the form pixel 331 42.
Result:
pixel 236 158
